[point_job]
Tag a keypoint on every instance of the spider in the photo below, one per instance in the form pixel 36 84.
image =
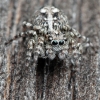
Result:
pixel 51 36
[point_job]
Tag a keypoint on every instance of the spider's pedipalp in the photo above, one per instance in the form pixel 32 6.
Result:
pixel 61 55
pixel 50 53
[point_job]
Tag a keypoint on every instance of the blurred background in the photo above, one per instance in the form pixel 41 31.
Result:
pixel 83 15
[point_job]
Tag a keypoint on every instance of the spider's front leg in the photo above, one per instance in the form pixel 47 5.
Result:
pixel 39 50
pixel 30 47
pixel 27 30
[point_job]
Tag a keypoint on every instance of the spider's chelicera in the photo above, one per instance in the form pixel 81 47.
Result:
pixel 51 36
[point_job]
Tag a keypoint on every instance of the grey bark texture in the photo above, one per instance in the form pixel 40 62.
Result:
pixel 51 81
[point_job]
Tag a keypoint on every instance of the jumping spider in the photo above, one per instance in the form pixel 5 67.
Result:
pixel 51 36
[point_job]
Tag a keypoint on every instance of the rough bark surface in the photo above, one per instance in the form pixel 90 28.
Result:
pixel 51 81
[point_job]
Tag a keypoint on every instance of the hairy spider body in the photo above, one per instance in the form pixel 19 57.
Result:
pixel 52 36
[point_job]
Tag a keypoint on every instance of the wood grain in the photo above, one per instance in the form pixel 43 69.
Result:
pixel 52 81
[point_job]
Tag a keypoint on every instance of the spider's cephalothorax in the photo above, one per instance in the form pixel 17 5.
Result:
pixel 49 35
pixel 49 18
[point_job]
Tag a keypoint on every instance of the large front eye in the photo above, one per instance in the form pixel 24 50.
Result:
pixel 61 42
pixel 54 42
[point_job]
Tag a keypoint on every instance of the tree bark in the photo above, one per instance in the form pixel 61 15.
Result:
pixel 50 80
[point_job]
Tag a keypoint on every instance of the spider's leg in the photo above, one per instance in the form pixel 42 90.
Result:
pixel 86 41
pixel 30 47
pixel 84 44
pixel 71 31
pixel 82 48
pixel 76 38
pixel 38 51
pixel 66 27
pixel 42 30
pixel 26 26
pixel 22 34
pixel 81 38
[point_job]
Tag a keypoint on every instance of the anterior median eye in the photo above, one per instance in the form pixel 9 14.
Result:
pixel 54 42
pixel 61 42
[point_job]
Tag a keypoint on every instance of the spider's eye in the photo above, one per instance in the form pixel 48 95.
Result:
pixel 49 32
pixel 63 32
pixel 65 38
pixel 50 38
pixel 61 42
pixel 43 12
pixel 54 42
pixel 55 15
pixel 45 15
